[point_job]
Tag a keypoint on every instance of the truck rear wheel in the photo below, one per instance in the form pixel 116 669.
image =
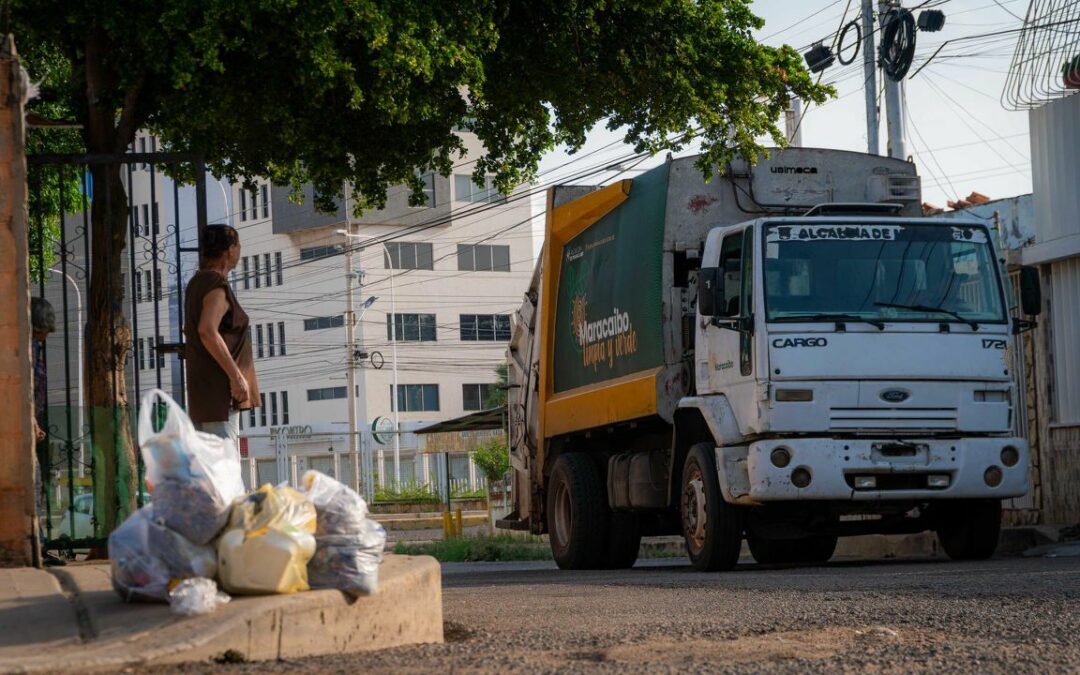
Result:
pixel 576 513
pixel 711 527
pixel 806 550
pixel 969 529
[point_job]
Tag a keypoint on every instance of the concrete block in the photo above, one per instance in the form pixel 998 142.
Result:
pixel 407 609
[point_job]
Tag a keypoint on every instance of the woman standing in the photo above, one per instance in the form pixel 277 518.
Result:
pixel 220 370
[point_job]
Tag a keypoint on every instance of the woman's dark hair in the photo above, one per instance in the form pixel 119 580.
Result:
pixel 216 240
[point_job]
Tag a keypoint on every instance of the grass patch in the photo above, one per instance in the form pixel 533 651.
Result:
pixel 501 547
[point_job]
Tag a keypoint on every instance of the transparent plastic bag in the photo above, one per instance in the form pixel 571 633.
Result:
pixel 147 558
pixel 349 562
pixel 268 543
pixel 192 597
pixel 193 477
pixel 340 509
pixel 349 545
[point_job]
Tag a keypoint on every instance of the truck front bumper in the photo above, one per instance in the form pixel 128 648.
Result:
pixel 874 469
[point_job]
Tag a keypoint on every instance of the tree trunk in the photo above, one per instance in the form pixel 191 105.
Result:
pixel 108 345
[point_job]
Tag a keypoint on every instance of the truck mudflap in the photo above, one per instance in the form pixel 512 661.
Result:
pixel 868 469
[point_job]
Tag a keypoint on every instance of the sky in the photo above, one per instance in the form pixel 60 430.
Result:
pixel 959 134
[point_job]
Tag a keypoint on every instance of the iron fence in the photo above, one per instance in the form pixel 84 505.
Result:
pixel 108 265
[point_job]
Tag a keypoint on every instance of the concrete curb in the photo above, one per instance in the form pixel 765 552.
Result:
pixel 407 609
pixel 425 521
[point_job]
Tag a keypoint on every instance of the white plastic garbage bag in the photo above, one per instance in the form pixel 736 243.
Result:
pixel 348 545
pixel 193 477
pixel 148 558
pixel 192 597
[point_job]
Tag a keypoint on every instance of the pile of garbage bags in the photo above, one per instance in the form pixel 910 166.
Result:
pixel 202 526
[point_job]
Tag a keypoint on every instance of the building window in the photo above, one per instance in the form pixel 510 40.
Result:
pixel 277 266
pixel 157 229
pixel 428 179
pixel 146 219
pixel 264 191
pixel 485 327
pixel 142 354
pixel 284 407
pixel 416 397
pixel 473 396
pixel 411 327
pixel 259 341
pixel 270 339
pixel 251 417
pixel 465 190
pixel 262 410
pixel 327 393
pixel 246 275
pixel 138 286
pixel 157 284
pixel 254 204
pixel 281 337
pixel 243 204
pixel 258 274
pixel 269 270
pixel 149 286
pixel 408 255
pixel 318 252
pixel 232 280
pixel 322 322
pixel 483 258
pixel 273 409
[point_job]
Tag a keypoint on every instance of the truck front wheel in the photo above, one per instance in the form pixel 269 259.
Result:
pixel 969 529
pixel 711 527
pixel 576 512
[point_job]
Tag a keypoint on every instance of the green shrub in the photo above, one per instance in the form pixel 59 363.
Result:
pixel 496 548
pixel 408 493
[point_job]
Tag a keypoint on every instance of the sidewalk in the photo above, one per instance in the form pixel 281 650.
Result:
pixel 70 618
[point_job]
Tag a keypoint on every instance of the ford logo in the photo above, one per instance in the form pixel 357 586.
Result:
pixel 894 395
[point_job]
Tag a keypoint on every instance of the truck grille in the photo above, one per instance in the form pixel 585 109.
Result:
pixel 892 418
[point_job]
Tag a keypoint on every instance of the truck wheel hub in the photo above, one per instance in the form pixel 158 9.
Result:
pixel 693 511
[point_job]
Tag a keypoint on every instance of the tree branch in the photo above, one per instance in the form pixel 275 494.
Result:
pixel 130 119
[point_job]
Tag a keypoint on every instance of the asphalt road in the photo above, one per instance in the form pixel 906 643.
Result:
pixel 1004 615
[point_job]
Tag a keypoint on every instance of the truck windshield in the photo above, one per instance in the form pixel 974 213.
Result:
pixel 880 272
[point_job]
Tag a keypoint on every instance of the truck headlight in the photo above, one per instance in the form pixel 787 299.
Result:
pixel 1010 455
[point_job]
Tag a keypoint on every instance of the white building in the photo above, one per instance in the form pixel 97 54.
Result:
pixel 445 276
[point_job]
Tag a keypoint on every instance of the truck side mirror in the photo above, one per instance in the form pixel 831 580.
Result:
pixel 1030 291
pixel 710 289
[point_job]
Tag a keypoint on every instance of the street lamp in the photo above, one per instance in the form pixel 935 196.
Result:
pixel 393 340
pixel 81 347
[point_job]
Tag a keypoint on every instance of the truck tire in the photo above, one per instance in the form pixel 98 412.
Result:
pixel 576 513
pixel 712 528
pixel 623 541
pixel 806 550
pixel 969 529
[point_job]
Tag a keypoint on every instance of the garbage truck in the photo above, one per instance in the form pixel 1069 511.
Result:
pixel 785 354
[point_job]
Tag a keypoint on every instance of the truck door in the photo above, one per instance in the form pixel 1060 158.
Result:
pixel 731 344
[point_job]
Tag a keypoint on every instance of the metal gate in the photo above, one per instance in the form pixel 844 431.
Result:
pixel 136 337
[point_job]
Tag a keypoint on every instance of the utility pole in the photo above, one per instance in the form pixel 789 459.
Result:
pixel 18 540
pixel 350 325
pixel 870 75
pixel 894 98
pixel 793 123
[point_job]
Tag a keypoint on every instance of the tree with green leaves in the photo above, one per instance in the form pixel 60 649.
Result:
pixel 493 460
pixel 496 397
pixel 372 93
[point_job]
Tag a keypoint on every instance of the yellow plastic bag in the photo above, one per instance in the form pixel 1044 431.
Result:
pixel 268 543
